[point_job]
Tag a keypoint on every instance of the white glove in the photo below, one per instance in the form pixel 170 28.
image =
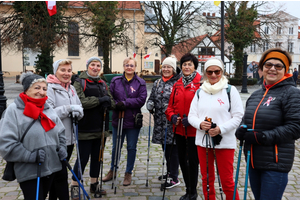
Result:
pixel 76 108
pixel 75 114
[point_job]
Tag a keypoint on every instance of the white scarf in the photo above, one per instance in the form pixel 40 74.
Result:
pixel 215 88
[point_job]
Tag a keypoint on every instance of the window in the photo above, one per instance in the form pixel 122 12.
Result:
pixel 208 22
pixel 291 30
pixel 252 47
pixel 206 51
pixel 100 50
pixel 279 30
pixel 73 39
pixel 266 30
pixel 290 47
pixel 278 44
pixel 266 46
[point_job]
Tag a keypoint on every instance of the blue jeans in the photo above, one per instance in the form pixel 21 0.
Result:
pixel 267 185
pixel 132 136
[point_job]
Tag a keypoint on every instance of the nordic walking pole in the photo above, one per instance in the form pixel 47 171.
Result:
pixel 168 173
pixel 101 154
pixel 207 174
pixel 80 185
pixel 148 148
pixel 38 176
pixel 119 148
pixel 187 158
pixel 238 168
pixel 75 127
pixel 163 160
pixel 117 145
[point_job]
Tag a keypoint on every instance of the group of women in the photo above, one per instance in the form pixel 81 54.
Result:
pixel 200 115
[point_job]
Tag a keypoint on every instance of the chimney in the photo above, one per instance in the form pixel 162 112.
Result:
pixel 204 14
pixel 214 14
pixel 208 14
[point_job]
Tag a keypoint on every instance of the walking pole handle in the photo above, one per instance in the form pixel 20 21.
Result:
pixel 122 114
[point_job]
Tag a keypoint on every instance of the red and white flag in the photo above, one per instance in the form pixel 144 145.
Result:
pixel 51 7
pixel 147 56
pixel 134 54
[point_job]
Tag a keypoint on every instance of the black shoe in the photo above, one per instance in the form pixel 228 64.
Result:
pixel 193 197
pixel 94 188
pixel 74 192
pixel 184 197
pixel 170 183
pixel 164 177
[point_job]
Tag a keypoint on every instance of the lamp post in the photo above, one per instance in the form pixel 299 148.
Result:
pixel 244 86
pixel 230 58
pixel 2 97
pixel 137 49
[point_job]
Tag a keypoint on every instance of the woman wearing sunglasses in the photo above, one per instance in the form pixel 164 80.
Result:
pixel 215 140
pixel 273 113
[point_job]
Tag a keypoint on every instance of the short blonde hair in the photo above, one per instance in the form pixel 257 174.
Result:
pixel 65 62
pixel 126 60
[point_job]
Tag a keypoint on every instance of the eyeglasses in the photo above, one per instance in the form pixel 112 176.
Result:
pixel 127 65
pixel 269 65
pixel 217 72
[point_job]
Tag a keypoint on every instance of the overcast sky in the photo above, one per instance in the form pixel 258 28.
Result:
pixel 292 7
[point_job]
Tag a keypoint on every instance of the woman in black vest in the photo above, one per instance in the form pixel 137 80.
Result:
pixel 95 97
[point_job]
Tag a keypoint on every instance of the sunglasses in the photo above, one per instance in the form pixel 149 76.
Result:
pixel 127 65
pixel 269 65
pixel 217 72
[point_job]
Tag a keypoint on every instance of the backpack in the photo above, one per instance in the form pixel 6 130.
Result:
pixel 228 94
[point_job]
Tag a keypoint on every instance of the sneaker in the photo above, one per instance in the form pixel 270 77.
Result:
pixel 127 179
pixel 170 183
pixel 164 177
pixel 74 192
pixel 94 187
pixel 109 176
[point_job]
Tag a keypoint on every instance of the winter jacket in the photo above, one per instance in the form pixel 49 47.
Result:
pixel 60 100
pixel 160 95
pixel 12 126
pixel 137 94
pixel 90 126
pixel 216 107
pixel 180 101
pixel 275 113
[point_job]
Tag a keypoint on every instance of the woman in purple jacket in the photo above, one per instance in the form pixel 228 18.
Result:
pixel 129 92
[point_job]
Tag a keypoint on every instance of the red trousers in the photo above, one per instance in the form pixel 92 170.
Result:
pixel 225 159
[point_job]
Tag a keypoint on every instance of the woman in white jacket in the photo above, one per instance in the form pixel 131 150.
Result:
pixel 62 97
pixel 224 106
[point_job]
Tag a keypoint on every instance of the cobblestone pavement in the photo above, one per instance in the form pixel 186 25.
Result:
pixel 138 190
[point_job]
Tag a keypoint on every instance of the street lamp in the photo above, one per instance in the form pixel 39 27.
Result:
pixel 2 97
pixel 244 81
pixel 137 49
pixel 230 58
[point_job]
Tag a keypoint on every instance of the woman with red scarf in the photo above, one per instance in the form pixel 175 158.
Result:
pixel 44 142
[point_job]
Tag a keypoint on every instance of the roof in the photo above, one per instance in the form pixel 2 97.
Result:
pixel 122 4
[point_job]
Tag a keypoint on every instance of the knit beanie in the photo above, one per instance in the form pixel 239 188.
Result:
pixel 93 59
pixel 214 61
pixel 28 79
pixel 56 64
pixel 171 60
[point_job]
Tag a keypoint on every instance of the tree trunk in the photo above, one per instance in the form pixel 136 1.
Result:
pixel 106 50
pixel 238 58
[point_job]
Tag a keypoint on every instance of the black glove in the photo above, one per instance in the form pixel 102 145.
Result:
pixel 253 137
pixel 217 139
pixel 185 122
pixel 104 99
pixel 62 153
pixel 240 133
pixel 106 104
pixel 174 119
pixel 120 106
pixel 37 156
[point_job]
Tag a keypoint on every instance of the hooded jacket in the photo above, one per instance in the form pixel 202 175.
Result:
pixel 137 94
pixel 12 126
pixel 160 95
pixel 275 113
pixel 60 100
pixel 90 126
pixel 180 101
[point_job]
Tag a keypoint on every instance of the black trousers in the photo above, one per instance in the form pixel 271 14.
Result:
pixel 29 187
pixel 173 163
pixel 187 151
pixel 88 148
pixel 60 188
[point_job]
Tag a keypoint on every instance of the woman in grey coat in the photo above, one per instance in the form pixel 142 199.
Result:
pixel 44 143
pixel 62 97
pixel 157 104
